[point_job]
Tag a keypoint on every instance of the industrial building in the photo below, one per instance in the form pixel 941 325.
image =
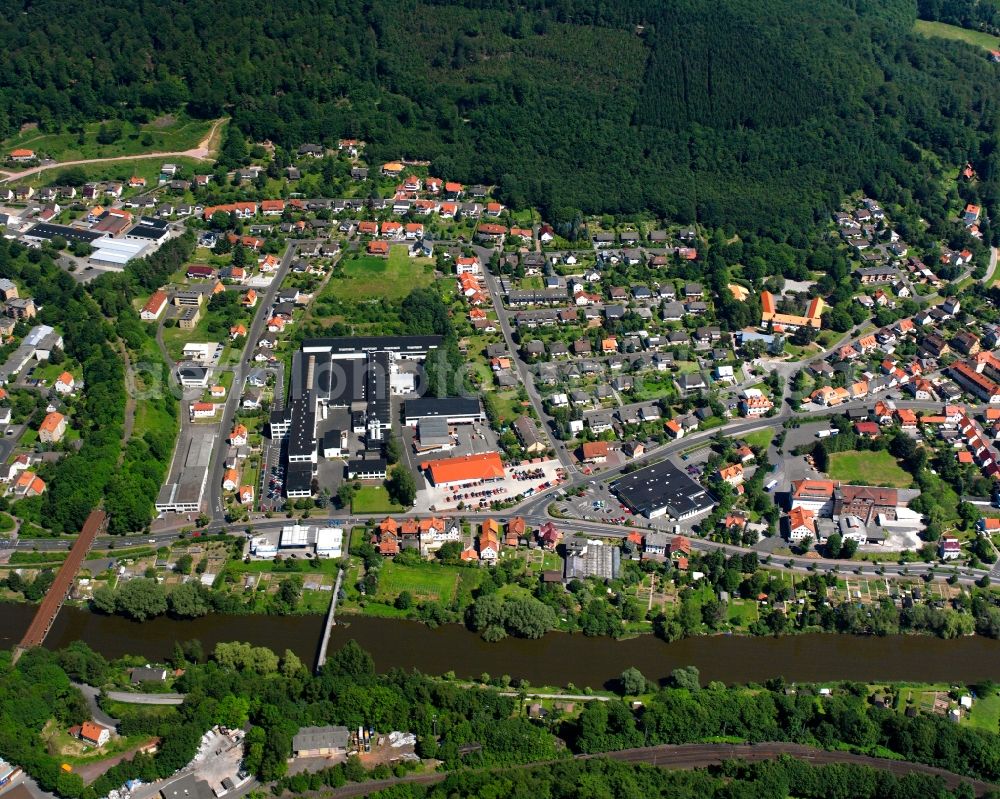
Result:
pixel 185 493
pixel 117 252
pixel 356 374
pixel 454 410
pixel 325 542
pixel 663 490
pixel 320 741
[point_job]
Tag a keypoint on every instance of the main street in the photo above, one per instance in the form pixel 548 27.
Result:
pixel 265 301
pixel 523 372
pixel 536 509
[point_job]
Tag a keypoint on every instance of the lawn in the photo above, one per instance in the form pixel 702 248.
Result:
pixel 373 499
pixel 363 277
pixel 943 31
pixel 430 582
pixel 762 438
pixel 171 133
pixel 868 468
pixel 985 713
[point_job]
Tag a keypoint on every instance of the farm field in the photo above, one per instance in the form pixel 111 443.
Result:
pixel 868 468
pixel 945 31
pixel 170 133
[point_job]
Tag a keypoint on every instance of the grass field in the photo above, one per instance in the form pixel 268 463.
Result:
pixel 943 31
pixel 986 714
pixel 148 168
pixel 868 468
pixel 431 582
pixel 171 133
pixel 363 277
pixel 373 499
pixel 762 438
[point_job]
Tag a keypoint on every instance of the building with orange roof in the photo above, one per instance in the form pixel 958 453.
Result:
pixel 237 330
pixel 674 430
pixel 379 248
pixel 249 299
pixel 907 418
pixel 769 314
pixel 801 524
pixel 154 306
pixel 94 733
pixel 867 344
pixel 238 435
pixel 368 228
pixel 29 484
pixel 230 480
pixel 272 207
pixel 52 429
pixel 246 495
pixel 244 210
pixel 755 405
pixel 609 344
pixel 65 383
pixel 22 154
pixel 594 451
pixel 469 554
pixel 203 410
pixel 964 456
pixel 731 474
pixel 392 169
pixel 814 495
pixel 464 469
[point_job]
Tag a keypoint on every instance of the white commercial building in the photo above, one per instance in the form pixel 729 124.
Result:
pixel 117 252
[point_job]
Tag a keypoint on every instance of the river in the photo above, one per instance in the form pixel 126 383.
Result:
pixel 556 659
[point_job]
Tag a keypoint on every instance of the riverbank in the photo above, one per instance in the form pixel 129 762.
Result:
pixel 555 659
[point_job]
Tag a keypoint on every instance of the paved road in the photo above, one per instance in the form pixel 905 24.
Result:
pixel 91 693
pixel 690 756
pixel 264 303
pixel 523 372
pixel 145 699
pixel 201 152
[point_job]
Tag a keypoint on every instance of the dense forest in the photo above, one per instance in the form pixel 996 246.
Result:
pixel 474 726
pixel 759 115
pixel 975 14
pixel 99 470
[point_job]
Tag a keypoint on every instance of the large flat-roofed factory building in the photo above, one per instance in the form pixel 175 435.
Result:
pixel 663 490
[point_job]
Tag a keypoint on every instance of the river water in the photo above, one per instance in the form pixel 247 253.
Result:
pixel 556 659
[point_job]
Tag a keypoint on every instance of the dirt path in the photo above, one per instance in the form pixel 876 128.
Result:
pixel 202 152
pixel 91 771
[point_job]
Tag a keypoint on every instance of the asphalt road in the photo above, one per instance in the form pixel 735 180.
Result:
pixel 264 303
pixel 145 699
pixel 503 316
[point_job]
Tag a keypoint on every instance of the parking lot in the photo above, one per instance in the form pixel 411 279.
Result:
pixel 598 502
pixel 523 479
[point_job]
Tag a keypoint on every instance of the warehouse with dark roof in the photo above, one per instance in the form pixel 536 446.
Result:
pixel 663 490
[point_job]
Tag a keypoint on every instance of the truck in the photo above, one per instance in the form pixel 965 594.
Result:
pixel 827 433
pixel 771 485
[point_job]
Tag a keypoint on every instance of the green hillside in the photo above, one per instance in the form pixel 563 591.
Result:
pixel 759 114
